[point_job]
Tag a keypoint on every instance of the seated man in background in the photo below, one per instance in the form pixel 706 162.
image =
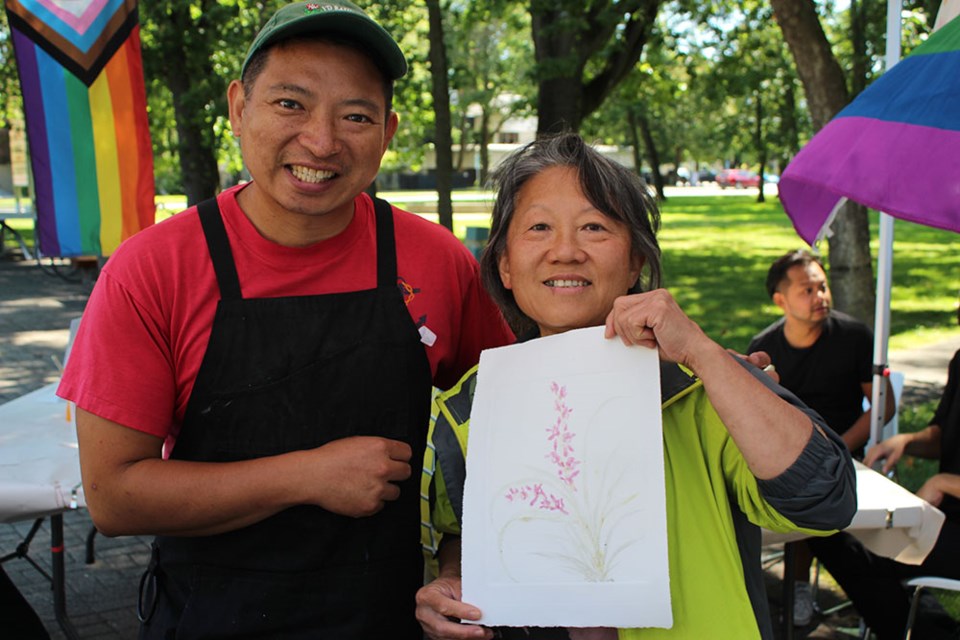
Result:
pixel 826 358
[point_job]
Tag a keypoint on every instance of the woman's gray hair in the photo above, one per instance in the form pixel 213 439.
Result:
pixel 614 190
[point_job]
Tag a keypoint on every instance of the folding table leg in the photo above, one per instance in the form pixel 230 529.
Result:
pixel 59 577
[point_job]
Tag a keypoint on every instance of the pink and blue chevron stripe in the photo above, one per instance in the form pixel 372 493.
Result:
pixel 90 147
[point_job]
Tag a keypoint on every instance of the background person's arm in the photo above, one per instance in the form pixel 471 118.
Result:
pixel 923 444
pixel 130 490
pixel 938 486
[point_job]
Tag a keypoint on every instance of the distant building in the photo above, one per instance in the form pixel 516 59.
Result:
pixel 509 135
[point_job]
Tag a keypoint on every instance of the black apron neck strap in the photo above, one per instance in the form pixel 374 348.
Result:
pixel 223 265
pixel 386 246
pixel 219 247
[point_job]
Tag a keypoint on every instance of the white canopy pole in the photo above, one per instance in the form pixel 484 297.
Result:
pixel 881 331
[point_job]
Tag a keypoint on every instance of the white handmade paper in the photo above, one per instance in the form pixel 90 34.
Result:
pixel 564 517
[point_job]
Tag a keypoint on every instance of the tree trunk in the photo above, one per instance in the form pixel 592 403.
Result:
pixel 567 36
pixel 559 106
pixel 638 149
pixel 819 71
pixel 559 99
pixel 183 61
pixel 484 145
pixel 441 109
pixel 788 127
pixel 464 128
pixel 759 142
pixel 198 159
pixel 851 269
pixel 858 42
pixel 653 156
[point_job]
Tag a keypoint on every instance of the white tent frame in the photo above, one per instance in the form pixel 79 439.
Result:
pixel 881 323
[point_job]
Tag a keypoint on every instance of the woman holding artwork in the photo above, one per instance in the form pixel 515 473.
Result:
pixel 573 245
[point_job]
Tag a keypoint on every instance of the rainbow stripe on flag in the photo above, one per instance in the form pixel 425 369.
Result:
pixel 90 147
pixel 895 148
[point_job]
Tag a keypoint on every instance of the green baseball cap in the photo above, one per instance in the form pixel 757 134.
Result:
pixel 339 17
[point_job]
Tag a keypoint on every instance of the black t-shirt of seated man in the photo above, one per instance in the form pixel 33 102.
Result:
pixel 828 375
pixel 947 417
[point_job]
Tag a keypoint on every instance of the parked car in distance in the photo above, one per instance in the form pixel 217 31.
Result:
pixel 738 178
pixel 706 175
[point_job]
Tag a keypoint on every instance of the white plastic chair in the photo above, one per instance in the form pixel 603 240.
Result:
pixel 921 583
pixel 892 427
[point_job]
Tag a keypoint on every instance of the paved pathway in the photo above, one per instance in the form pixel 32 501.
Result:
pixel 925 368
pixel 36 306
pixel 35 309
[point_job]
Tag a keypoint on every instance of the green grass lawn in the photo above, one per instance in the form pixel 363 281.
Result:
pixel 913 472
pixel 716 251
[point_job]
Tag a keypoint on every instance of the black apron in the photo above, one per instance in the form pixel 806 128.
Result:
pixel 285 374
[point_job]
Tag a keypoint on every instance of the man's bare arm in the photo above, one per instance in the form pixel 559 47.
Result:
pixel 130 490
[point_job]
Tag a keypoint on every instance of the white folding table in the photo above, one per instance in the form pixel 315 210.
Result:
pixel 40 475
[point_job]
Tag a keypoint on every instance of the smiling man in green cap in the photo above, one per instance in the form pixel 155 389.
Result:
pixel 253 376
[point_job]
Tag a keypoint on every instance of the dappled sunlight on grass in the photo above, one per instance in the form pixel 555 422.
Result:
pixel 925 282
pixel 717 251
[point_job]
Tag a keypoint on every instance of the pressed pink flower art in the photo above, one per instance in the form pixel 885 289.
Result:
pixel 560 440
pixel 559 497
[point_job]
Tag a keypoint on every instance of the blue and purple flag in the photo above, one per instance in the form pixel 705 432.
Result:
pixel 895 148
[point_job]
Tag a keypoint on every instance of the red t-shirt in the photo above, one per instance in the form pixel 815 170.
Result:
pixel 147 323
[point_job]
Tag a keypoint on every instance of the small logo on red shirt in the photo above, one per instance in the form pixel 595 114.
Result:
pixel 408 290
